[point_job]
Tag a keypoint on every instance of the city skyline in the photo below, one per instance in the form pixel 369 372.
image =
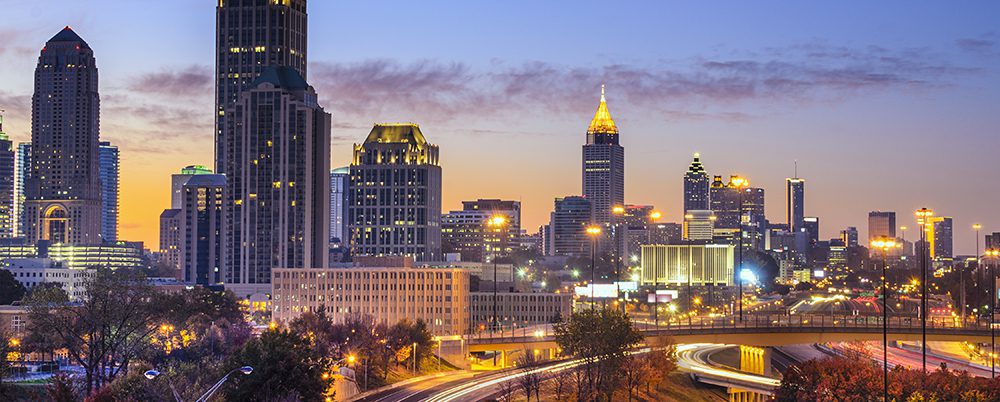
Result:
pixel 741 126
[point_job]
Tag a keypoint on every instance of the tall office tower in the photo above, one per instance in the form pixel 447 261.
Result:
pixel 468 231
pixel 636 229
pixel 109 191
pixel 603 165
pixel 939 235
pixel 696 185
pixel 394 203
pixel 177 181
pixel 8 209
pixel 568 227
pixel 795 203
pixel 202 227
pixel 22 168
pixel 699 224
pixel 726 201
pixel 251 35
pixel 63 190
pixel 338 203
pixel 278 167
pixel 992 240
pixel 849 236
pixel 170 238
pixel 881 224
pixel 811 225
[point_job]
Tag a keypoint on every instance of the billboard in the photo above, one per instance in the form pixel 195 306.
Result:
pixel 598 291
pixel 662 296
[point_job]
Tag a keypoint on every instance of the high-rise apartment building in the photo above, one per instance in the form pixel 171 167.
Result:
pixel 603 165
pixel 22 168
pixel 250 36
pixel 939 235
pixel 109 191
pixel 568 227
pixel 339 180
pixel 8 184
pixel 177 181
pixel 171 239
pixel 795 207
pixel 394 206
pixel 202 227
pixel 278 167
pixel 696 187
pixel 881 224
pixel 63 190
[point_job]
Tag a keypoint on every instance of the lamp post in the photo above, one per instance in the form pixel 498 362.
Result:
pixel 593 231
pixel 885 243
pixel 923 219
pixel 497 222
pixel 993 254
pixel 961 273
pixel 653 217
pixel 245 370
pixel 618 212
pixel 740 183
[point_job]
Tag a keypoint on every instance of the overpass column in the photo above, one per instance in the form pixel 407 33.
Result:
pixel 755 360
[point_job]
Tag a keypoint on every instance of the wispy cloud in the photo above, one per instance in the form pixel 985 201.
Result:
pixel 194 80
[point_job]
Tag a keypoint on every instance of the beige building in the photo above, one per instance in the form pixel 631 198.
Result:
pixel 523 309
pixel 31 272
pixel 701 264
pixel 439 296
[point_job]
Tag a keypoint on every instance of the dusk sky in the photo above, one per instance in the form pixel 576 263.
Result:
pixel 887 105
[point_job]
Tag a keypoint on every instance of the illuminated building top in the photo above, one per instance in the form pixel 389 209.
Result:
pixel 602 122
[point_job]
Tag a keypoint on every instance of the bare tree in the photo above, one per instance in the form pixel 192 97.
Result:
pixel 634 370
pixel 505 390
pixel 530 380
pixel 561 381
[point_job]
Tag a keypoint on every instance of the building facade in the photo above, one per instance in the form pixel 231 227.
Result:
pixel 881 224
pixel 522 309
pixel 567 231
pixel 696 187
pixel 468 232
pixel 109 191
pixel 63 190
pixel 8 184
pixel 438 296
pixel 795 206
pixel 250 36
pixel 395 194
pixel 22 166
pixel 697 264
pixel 32 272
pixel 171 238
pixel 339 180
pixel 603 165
pixel 277 167
pixel 699 225
pixel 202 227
pixel 177 181
pixel 940 237
pixel 116 255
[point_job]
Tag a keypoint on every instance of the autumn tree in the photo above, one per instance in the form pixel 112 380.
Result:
pixel 634 370
pixel 601 338
pixel 530 380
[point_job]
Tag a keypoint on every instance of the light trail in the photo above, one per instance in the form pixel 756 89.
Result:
pixel 691 357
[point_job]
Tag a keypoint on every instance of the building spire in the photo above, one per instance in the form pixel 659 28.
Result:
pixel 602 122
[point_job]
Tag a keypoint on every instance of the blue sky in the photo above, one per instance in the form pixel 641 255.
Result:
pixel 888 105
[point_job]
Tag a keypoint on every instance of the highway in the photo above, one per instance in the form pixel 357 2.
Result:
pixel 693 358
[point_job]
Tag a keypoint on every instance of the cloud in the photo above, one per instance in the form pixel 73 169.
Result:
pixel 13 41
pixel 985 44
pixel 193 80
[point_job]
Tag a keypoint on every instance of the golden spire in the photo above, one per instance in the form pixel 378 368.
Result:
pixel 602 122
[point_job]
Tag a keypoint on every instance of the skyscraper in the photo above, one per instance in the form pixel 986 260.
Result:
pixel 811 225
pixel 279 180
pixel 394 206
pixel 22 166
pixel 603 165
pixel 202 224
pixel 735 201
pixel 568 227
pixel 696 185
pixel 250 36
pixel 881 224
pixel 63 190
pixel 8 211
pixel 177 181
pixel 338 203
pixel 940 237
pixel 109 191
pixel 467 232
pixel 795 203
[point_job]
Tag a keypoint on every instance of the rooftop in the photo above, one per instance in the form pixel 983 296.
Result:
pixel 68 35
pixel 282 77
pixel 602 122
pixel 396 133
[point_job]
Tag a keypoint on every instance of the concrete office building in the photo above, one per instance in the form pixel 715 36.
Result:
pixel 468 232
pixel 171 238
pixel 394 204
pixel 32 272
pixel 567 227
pixel 439 296
pixel 116 255
pixel 518 310
pixel 698 264
pixel 699 225
pixel 63 190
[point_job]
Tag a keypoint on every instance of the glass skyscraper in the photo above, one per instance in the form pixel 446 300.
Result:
pixel 109 191
pixel 696 184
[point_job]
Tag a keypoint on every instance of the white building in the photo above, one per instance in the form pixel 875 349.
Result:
pixel 698 264
pixel 32 272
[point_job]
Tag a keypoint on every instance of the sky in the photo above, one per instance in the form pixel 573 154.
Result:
pixel 888 105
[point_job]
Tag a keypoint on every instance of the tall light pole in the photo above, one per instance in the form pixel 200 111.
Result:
pixel 653 217
pixel 923 219
pixel 618 212
pixel 740 183
pixel 993 254
pixel 496 222
pixel 593 231
pixel 885 243
pixel 975 227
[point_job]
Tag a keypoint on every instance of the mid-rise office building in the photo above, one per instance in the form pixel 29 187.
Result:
pixel 63 190
pixel 603 165
pixel 202 226
pixel 22 168
pixel 940 238
pixel 811 225
pixel 278 166
pixel 171 238
pixel 795 189
pixel 681 264
pixel 881 224
pixel 699 225
pixel 520 309
pixel 394 205
pixel 250 36
pixel 666 233
pixel 469 232
pixel 339 182
pixel 849 236
pixel 696 187
pixel 567 227
pixel 32 272
pixel 738 208
pixel 177 181
pixel 109 191
pixel 112 255
pixel 636 228
pixel 8 211
pixel 438 296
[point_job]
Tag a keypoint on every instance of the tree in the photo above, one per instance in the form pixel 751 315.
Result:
pixel 8 347
pixel 601 338
pixel 104 332
pixel 530 380
pixel 634 370
pixel 10 289
pixel 560 381
pixel 61 389
pixel 284 364
pixel 662 362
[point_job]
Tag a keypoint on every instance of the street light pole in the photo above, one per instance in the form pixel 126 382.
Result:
pixel 593 231
pixel 496 222
pixel 885 243
pixel 618 211
pixel 740 182
pixel 923 215
pixel 993 254
pixel 975 226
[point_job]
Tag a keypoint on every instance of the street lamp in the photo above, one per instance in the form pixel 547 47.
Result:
pixel 740 183
pixel 245 370
pixel 618 211
pixel 923 219
pixel 593 231
pixel 961 273
pixel 993 254
pixel 885 243
pixel 496 222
